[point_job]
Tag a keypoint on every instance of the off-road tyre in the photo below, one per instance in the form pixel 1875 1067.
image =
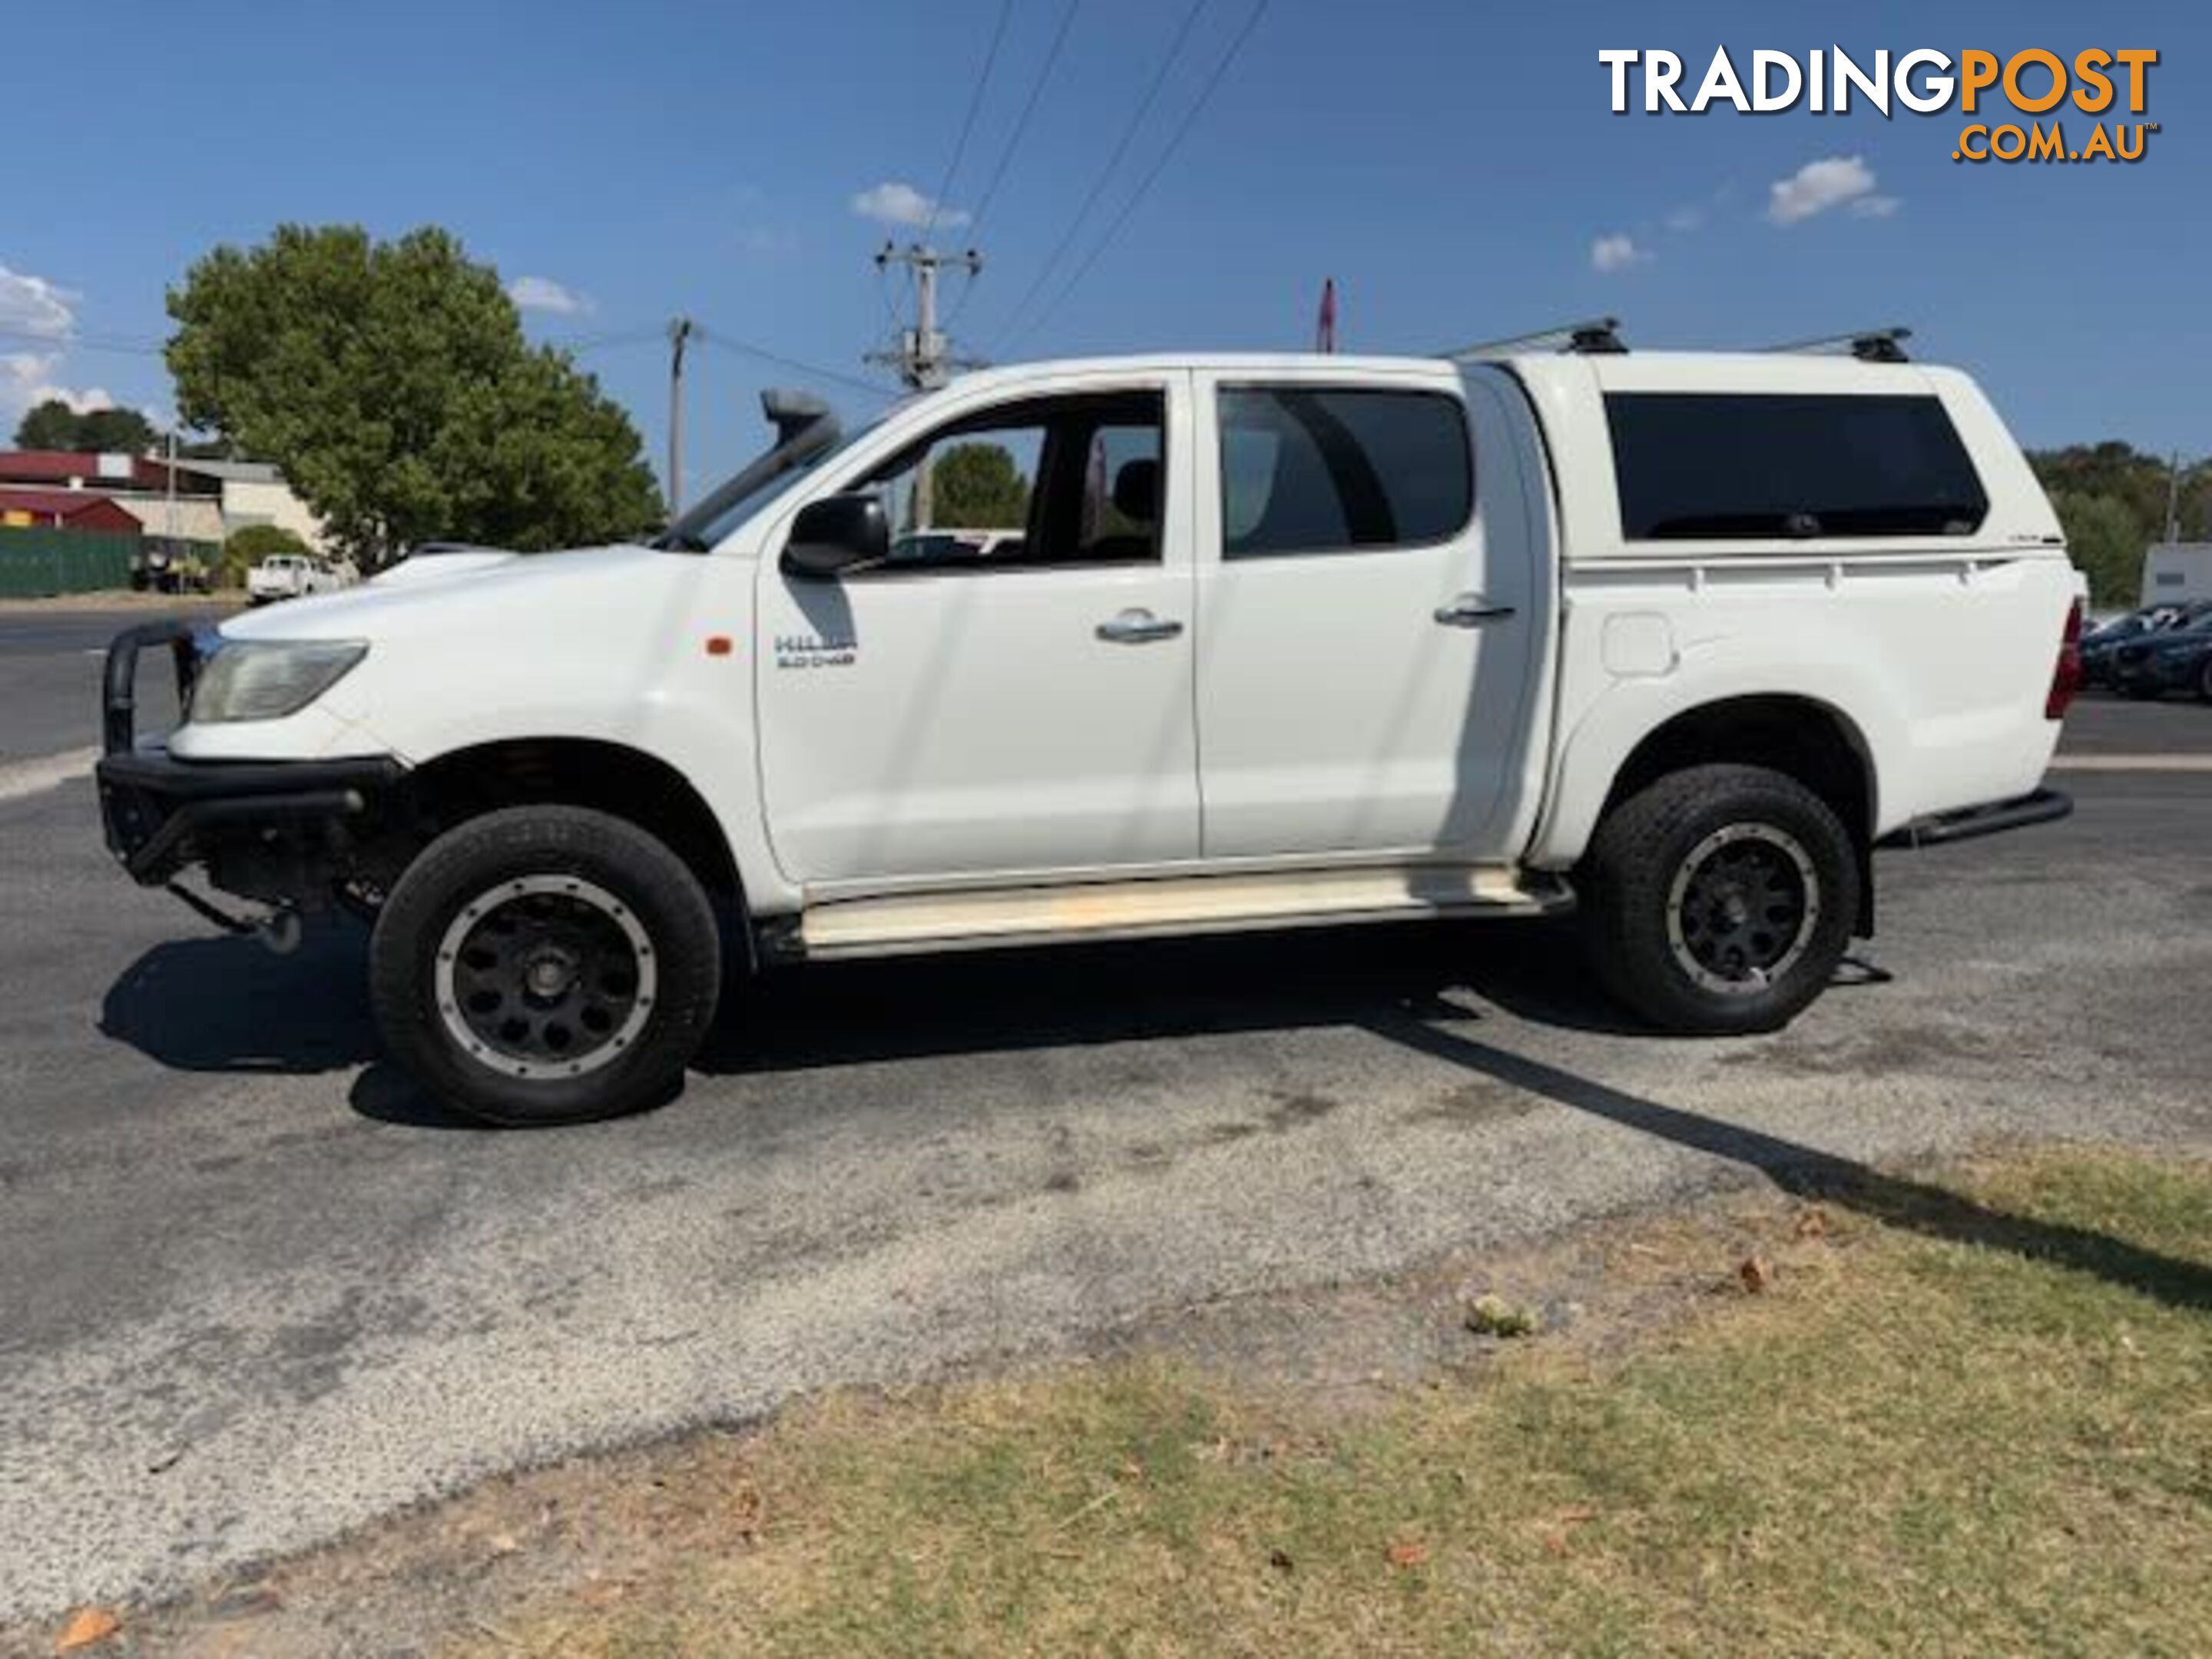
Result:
pixel 545 964
pixel 1669 869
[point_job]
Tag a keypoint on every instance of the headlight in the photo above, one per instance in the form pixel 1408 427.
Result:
pixel 266 680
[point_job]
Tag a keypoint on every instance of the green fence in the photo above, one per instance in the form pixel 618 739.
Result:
pixel 37 563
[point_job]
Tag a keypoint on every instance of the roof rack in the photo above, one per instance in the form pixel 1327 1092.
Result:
pixel 1876 345
pixel 1592 335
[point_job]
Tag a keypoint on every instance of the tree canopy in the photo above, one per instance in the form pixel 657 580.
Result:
pixel 978 486
pixel 54 425
pixel 391 382
pixel 2111 500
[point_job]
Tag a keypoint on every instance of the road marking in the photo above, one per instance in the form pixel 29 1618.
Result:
pixel 2132 763
pixel 31 777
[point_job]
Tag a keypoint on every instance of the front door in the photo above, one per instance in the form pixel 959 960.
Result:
pixel 1011 693
pixel 1367 612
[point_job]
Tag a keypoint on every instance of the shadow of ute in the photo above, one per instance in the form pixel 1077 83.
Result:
pixel 226 1004
pixel 1012 1002
pixel 1809 1172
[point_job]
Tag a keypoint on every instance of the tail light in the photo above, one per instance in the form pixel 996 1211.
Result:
pixel 2066 677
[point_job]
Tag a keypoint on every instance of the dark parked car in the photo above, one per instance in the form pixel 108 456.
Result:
pixel 2166 659
pixel 2100 646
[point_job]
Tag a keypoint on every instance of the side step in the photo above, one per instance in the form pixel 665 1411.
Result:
pixel 1163 906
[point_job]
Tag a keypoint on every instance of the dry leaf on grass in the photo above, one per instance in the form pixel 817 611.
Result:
pixel 86 1627
pixel 748 1513
pixel 1757 1273
pixel 1813 1223
pixel 1408 1552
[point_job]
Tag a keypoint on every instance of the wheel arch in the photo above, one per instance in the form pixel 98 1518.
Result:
pixel 614 778
pixel 1802 738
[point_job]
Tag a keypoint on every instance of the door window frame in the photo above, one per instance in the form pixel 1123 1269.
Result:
pixel 1175 539
pixel 1214 536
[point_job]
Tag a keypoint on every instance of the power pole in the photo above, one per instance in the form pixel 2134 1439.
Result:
pixel 923 358
pixel 679 335
pixel 2173 500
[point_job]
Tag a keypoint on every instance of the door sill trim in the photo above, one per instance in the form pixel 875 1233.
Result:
pixel 1035 915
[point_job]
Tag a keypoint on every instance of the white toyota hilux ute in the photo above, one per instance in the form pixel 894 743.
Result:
pixel 1677 640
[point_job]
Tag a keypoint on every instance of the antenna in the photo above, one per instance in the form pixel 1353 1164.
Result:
pixel 1600 335
pixel 1874 345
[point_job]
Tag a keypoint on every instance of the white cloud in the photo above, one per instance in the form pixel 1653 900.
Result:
pixel 1617 254
pixel 892 203
pixel 1830 182
pixel 42 311
pixel 26 381
pixel 1685 219
pixel 32 304
pixel 543 294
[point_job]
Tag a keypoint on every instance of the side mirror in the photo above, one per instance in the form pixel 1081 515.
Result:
pixel 836 534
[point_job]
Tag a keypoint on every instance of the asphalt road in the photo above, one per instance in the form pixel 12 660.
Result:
pixel 49 664
pixel 256 1290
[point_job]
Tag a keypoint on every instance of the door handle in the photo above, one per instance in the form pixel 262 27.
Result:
pixel 1137 628
pixel 1471 610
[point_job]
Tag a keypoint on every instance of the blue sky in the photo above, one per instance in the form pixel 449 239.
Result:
pixel 1453 166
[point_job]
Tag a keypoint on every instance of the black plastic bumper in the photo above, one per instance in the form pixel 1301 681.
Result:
pixel 2044 806
pixel 161 813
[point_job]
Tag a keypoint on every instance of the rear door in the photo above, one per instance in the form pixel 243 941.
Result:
pixel 1366 612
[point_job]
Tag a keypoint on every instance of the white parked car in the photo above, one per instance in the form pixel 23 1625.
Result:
pixel 294 576
pixel 1678 638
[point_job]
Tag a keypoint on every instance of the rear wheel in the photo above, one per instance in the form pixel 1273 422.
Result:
pixel 545 964
pixel 2205 679
pixel 1720 899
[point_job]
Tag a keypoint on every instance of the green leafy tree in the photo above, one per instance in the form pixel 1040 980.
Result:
pixel 114 432
pixel 248 546
pixel 51 425
pixel 2106 544
pixel 54 425
pixel 978 487
pixel 391 382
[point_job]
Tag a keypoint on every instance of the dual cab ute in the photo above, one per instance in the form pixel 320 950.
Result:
pixel 1286 641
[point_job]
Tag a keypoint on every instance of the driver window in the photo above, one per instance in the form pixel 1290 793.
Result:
pixel 1050 481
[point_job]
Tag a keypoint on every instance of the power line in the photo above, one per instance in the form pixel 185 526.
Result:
pixel 122 345
pixel 968 125
pixel 1029 109
pixel 722 341
pixel 577 344
pixel 1113 162
pixel 1182 131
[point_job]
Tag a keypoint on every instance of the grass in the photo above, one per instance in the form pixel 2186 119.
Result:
pixel 1909 1442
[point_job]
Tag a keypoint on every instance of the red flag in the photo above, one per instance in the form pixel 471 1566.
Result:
pixel 1325 332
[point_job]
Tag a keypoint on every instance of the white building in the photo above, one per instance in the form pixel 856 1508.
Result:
pixel 2176 572
pixel 254 492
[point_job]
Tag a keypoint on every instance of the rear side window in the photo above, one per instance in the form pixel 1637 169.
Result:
pixel 1307 470
pixel 1698 465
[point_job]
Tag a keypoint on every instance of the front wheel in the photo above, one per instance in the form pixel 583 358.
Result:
pixel 545 964
pixel 1720 899
pixel 2204 680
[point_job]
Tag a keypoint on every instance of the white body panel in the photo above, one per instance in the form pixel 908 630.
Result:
pixel 1337 714
pixel 968 720
pixel 868 740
